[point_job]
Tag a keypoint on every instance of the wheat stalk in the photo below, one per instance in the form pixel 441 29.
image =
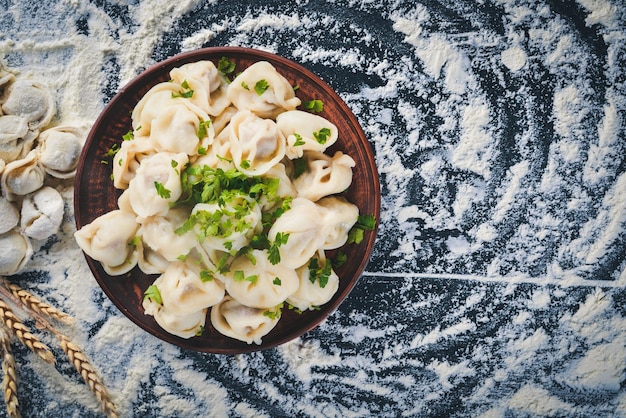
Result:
pixel 22 332
pixel 9 377
pixel 86 370
pixel 33 303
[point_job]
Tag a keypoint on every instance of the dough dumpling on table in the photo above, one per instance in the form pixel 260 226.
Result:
pixel 31 100
pixel 42 213
pixel 59 150
pixel 15 251
pixel 16 139
pixel 21 177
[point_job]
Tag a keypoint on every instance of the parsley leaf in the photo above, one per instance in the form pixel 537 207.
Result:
pixel 277 281
pixel 203 128
pixel 274 313
pixel 299 167
pixel 239 276
pixel 321 274
pixel 225 66
pixel 206 276
pixel 322 135
pixel 152 293
pixel 273 253
pixel 299 140
pixel 186 94
pixel 162 191
pixel 363 223
pixel 315 105
pixel 261 86
pixel 128 136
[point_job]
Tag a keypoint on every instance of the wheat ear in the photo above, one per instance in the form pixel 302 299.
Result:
pixel 36 305
pixel 9 377
pixel 86 370
pixel 21 331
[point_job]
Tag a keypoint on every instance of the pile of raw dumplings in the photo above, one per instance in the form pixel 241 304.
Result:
pixel 33 155
pixel 257 134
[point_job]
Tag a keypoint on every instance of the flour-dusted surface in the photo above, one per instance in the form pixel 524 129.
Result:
pixel 497 286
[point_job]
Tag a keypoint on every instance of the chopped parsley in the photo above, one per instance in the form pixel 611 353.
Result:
pixel 363 223
pixel 261 86
pixel 162 191
pixel 277 281
pixel 274 254
pixel 128 136
pixel 203 128
pixel 322 135
pixel 244 85
pixel 113 150
pixel 206 276
pixel 321 274
pixel 225 66
pixel 186 94
pixel 239 276
pixel 299 140
pixel 152 293
pixel 315 106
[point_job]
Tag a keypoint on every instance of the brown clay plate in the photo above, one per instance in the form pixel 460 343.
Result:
pixel 95 195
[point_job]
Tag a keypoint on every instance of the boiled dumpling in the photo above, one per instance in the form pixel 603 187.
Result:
pixel 30 100
pixel 158 98
pixel 208 85
pixel 159 234
pixel 15 251
pixel 178 129
pixel 10 215
pixel 256 143
pixel 339 217
pixel 23 176
pixel 305 132
pixel 241 322
pixel 221 121
pixel 110 240
pixel 59 150
pixel 183 292
pixel 184 326
pixel 127 160
pixel 324 175
pixel 301 222
pixel 16 139
pixel 263 91
pixel 255 282
pixel 42 213
pixel 150 261
pixel 312 294
pixel 156 184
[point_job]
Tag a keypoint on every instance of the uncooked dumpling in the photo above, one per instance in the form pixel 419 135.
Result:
pixel 30 100
pixel 59 150
pixel 15 251
pixel 21 177
pixel 42 213
pixel 10 215
pixel 16 139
